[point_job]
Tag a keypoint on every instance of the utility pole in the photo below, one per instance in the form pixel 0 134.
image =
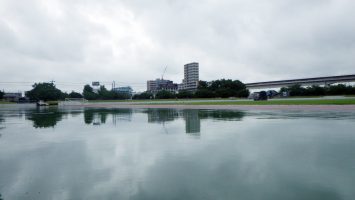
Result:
pixel 113 84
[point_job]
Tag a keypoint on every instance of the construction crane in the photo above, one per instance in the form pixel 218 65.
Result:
pixel 162 76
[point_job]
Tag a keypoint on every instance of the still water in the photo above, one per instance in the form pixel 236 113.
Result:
pixel 153 154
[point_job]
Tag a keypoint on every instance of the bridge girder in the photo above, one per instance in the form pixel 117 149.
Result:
pixel 304 82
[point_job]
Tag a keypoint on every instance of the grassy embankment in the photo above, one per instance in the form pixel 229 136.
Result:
pixel 320 101
pixel 5 102
pixel 154 100
pixel 281 102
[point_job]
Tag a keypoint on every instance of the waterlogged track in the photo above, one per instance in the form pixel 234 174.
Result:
pixel 138 154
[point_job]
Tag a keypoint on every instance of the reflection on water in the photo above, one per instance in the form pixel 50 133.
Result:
pixel 192 118
pixel 99 116
pixel 101 153
pixel 49 117
pixel 43 118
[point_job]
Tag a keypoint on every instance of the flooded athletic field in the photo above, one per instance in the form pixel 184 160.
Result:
pixel 152 153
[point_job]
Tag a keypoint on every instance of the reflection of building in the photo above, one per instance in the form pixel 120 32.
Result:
pixel 192 122
pixel 191 77
pixel 162 115
pixel 157 85
pixel 99 116
pixel 191 117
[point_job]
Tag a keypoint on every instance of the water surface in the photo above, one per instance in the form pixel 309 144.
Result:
pixel 57 153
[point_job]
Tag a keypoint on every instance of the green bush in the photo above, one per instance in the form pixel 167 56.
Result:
pixel 165 95
pixel 184 94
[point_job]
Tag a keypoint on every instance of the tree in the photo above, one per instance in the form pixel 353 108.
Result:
pixel 297 90
pixel 202 85
pixel 1 94
pixel 104 93
pixel 184 94
pixel 223 88
pixel 283 89
pixel 163 94
pixel 44 91
pixel 89 93
pixel 143 95
pixel 339 89
pixel 315 90
pixel 204 93
pixel 225 92
pixel 243 93
pixel 75 95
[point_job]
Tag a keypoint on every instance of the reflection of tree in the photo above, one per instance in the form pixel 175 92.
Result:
pixel 75 113
pixel 43 118
pixel 1 120
pixel 99 116
pixel 88 116
pixel 48 117
pixel 1 197
pixel 221 114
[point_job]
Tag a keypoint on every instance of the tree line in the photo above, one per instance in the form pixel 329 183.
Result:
pixel 49 92
pixel 103 94
pixel 315 90
pixel 222 88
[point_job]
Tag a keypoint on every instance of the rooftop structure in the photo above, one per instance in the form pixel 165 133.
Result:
pixel 124 90
pixel 157 85
pixel 12 96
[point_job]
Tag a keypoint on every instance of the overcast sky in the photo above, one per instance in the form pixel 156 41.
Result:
pixel 130 41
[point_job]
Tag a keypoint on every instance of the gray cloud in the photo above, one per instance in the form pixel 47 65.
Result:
pixel 131 41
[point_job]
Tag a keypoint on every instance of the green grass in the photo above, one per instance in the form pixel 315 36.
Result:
pixel 5 102
pixel 281 102
pixel 157 100
pixel 350 101
pixel 52 103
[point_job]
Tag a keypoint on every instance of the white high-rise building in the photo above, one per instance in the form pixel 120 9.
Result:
pixel 191 77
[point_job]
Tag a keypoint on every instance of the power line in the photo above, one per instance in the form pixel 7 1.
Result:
pixel 70 83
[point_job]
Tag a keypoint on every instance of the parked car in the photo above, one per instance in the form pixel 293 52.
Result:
pixel 252 95
pixel 285 94
pixel 23 100
pixel 271 93
pixel 260 96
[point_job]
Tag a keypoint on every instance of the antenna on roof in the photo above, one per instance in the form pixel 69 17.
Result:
pixel 162 76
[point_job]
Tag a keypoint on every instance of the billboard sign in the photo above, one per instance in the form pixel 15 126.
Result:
pixel 96 83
